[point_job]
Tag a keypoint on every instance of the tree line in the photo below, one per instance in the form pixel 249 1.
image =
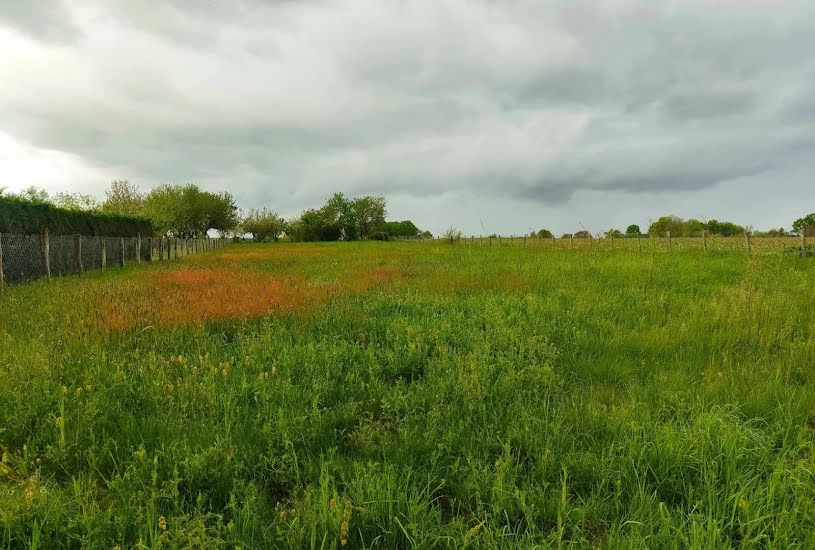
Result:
pixel 340 218
pixel 678 227
pixel 188 211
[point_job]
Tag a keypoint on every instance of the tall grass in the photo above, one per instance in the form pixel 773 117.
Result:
pixel 413 396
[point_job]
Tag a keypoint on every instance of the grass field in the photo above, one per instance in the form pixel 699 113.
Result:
pixel 413 395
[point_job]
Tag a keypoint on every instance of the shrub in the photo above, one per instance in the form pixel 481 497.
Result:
pixel 21 216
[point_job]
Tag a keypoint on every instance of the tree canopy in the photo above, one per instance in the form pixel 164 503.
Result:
pixel 805 225
pixel 343 218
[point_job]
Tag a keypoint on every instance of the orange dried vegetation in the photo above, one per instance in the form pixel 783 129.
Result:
pixel 196 296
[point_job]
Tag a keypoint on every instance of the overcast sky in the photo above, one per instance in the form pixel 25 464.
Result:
pixel 514 114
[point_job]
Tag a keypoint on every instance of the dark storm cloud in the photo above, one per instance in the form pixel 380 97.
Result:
pixel 286 102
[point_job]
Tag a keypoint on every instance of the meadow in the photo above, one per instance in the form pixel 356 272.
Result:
pixel 413 395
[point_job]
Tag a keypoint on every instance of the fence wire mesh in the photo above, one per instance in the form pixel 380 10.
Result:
pixel 23 257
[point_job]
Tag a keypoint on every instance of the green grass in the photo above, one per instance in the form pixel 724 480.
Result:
pixel 478 397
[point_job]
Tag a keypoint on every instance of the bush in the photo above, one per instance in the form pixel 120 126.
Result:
pixel 25 217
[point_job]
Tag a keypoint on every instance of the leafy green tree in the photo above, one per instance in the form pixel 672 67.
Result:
pixel 805 224
pixel 186 210
pixel 583 234
pixel 543 234
pixel 633 230
pixel 263 224
pixel 35 195
pixel 616 233
pixel 123 198
pixel 664 224
pixel 692 228
pixel 390 230
pixel 367 212
pixel 725 229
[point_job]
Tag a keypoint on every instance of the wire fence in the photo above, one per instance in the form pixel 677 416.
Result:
pixel 660 243
pixel 26 258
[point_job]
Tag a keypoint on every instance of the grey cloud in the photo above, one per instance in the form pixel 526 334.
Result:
pixel 47 21
pixel 286 102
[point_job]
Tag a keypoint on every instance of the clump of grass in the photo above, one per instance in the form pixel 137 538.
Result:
pixel 398 395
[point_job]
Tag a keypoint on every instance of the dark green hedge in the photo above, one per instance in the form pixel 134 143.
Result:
pixel 25 218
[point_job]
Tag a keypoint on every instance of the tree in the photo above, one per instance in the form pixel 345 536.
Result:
pixel 341 218
pixel 633 230
pixel 805 225
pixel 665 224
pixel 390 230
pixel 692 228
pixel 725 229
pixel 75 201
pixel 36 195
pixel 263 224
pixel 543 234
pixel 368 212
pixel 452 234
pixel 615 233
pixel 582 235
pixel 123 198
pixel 186 210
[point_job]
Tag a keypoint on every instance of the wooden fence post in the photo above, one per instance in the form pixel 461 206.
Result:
pixel 2 277
pixel 104 253
pixel 78 253
pixel 161 249
pixel 639 242
pixel 46 253
pixel 803 241
pixel 747 241
pixel 138 249
pixel 524 240
pixel 150 249
pixel 704 240
pixel 121 251
pixel 670 242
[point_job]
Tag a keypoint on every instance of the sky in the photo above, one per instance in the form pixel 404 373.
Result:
pixel 497 116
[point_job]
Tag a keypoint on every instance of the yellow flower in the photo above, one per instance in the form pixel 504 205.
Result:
pixel 162 523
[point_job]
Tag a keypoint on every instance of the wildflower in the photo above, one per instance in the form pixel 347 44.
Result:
pixel 89 388
pixel 162 523
pixel 64 390
pixel 332 503
pixel 283 515
pixel 274 371
pixel 247 360
pixel 78 392
pixel 742 504
pixel 346 520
